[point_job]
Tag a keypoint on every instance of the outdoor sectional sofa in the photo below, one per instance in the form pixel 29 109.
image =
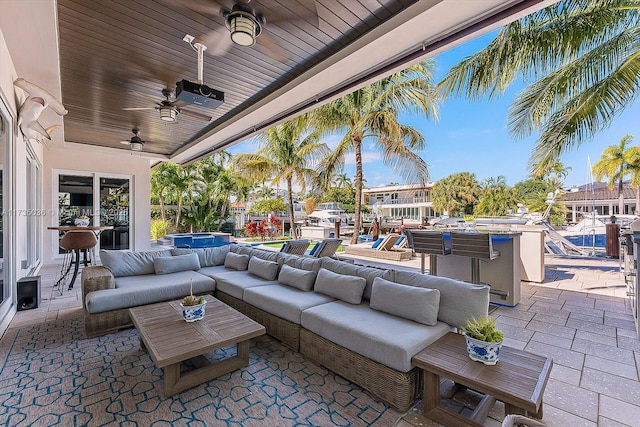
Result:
pixel 363 323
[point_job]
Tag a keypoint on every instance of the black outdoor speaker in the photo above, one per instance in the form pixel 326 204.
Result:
pixel 28 293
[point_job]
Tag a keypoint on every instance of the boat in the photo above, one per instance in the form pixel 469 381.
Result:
pixel 591 230
pixel 326 215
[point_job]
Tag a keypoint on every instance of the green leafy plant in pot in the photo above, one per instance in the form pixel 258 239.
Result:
pixel 193 307
pixel 484 340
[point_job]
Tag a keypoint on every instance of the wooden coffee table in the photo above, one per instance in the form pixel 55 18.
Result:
pixel 518 379
pixel 170 340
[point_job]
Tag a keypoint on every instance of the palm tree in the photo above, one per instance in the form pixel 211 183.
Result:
pixel 613 165
pixel 583 59
pixel 372 112
pixel 342 180
pixel 496 198
pixel 632 157
pixel 161 184
pixel 288 152
pixel 456 194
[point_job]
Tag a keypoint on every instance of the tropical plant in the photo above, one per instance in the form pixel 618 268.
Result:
pixel 267 206
pixel 456 194
pixel 158 228
pixel 288 152
pixel 583 59
pixel 162 184
pixel 613 165
pixel 632 157
pixel 342 181
pixel 373 112
pixel 483 329
pixel 496 198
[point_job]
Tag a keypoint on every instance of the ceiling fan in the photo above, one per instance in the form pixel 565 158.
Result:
pixel 246 24
pixel 135 143
pixel 170 109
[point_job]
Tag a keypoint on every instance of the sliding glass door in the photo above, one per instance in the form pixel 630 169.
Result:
pixel 114 211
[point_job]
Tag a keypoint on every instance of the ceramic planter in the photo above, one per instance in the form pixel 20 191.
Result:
pixel 81 222
pixel 482 351
pixel 191 313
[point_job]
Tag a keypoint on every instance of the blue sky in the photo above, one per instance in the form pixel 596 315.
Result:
pixel 473 136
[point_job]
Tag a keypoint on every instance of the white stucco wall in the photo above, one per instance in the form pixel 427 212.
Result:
pixel 88 160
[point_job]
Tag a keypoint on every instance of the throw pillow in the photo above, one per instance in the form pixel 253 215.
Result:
pixel 263 268
pixel 418 304
pixel 236 261
pixel 209 257
pixel 173 264
pixel 297 278
pixel 346 288
pixel 127 263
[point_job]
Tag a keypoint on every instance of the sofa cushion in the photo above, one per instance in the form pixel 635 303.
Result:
pixel 260 253
pixel 211 271
pixel 235 282
pixel 297 278
pixel 342 286
pixel 209 257
pixel 284 301
pixel 382 337
pixel 173 264
pixel 263 268
pixel 459 301
pixel 235 261
pixel 303 262
pixel 369 273
pixel 128 263
pixel 411 302
pixel 133 291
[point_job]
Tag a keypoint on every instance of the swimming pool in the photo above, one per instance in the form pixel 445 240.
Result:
pixel 199 240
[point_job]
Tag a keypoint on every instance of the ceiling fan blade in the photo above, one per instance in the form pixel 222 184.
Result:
pixel 218 42
pixel 307 12
pixel 277 52
pixel 139 108
pixel 203 7
pixel 195 115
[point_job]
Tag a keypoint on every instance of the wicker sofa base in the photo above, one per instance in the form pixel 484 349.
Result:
pixel 283 330
pixel 398 389
pixel 99 324
pixel 393 255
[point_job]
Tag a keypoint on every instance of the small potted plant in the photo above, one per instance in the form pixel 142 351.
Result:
pixel 484 340
pixel 81 221
pixel 192 306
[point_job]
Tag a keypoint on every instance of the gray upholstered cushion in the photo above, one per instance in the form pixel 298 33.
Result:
pixel 297 278
pixel 459 301
pixel 173 264
pixel 342 286
pixel 284 301
pixel 127 263
pixel 387 339
pixel 235 261
pixel 133 291
pixel 303 262
pixel 260 253
pixel 209 257
pixel 411 302
pixel 369 273
pixel 234 282
pixel 263 268
pixel 211 271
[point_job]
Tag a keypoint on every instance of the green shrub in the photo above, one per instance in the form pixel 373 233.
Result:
pixel 158 228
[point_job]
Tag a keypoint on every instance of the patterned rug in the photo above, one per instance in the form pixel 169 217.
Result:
pixel 51 374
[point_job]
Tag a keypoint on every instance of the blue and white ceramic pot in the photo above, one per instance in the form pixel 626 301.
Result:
pixel 191 313
pixel 482 351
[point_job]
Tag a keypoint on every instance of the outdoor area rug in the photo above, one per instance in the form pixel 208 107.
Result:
pixel 51 374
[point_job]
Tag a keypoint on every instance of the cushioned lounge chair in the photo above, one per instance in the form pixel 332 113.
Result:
pixel 382 248
pixel 327 247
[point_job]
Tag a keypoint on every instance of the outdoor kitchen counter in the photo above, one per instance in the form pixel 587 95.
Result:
pixel 502 273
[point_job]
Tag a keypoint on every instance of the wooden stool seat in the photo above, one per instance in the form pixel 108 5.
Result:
pixel 80 240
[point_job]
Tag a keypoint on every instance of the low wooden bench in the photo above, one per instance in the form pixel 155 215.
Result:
pixel 518 379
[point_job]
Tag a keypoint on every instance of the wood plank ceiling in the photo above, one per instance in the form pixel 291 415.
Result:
pixel 120 54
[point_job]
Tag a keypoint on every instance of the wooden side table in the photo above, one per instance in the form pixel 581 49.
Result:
pixel 518 379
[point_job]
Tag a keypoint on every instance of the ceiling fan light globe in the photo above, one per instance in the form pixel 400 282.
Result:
pixel 168 114
pixel 136 146
pixel 243 30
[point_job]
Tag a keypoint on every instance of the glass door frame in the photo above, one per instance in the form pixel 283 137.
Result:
pixel 96 200
pixel 7 305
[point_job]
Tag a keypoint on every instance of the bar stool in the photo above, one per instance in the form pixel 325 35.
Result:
pixel 428 242
pixel 477 246
pixel 73 242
